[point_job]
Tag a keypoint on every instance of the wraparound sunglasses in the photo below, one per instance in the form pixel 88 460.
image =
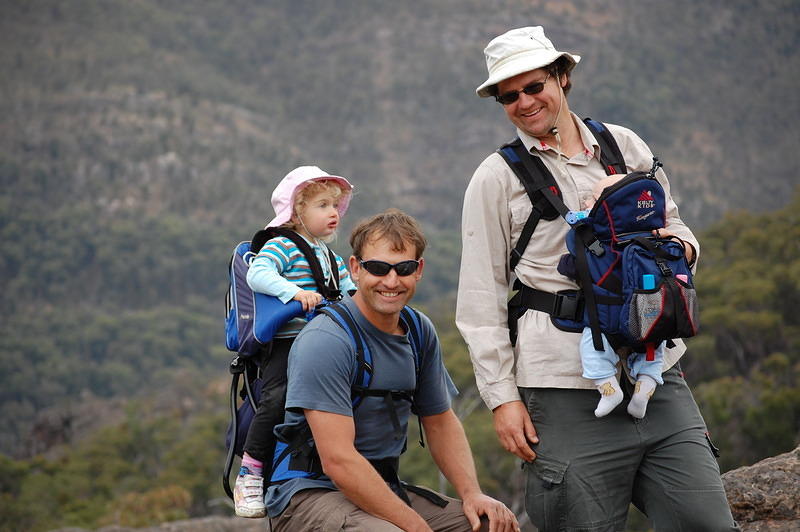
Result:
pixel 380 268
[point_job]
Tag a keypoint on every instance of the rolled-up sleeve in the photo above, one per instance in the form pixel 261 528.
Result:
pixel 481 313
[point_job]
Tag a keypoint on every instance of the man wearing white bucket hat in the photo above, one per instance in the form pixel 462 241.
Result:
pixel 583 472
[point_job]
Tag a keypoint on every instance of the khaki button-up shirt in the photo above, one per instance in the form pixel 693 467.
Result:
pixel 496 208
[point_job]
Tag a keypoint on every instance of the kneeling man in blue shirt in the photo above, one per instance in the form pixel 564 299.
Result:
pixel 356 448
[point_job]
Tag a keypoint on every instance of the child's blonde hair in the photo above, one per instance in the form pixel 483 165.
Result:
pixel 329 186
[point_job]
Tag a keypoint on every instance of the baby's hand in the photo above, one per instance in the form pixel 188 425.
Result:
pixel 308 298
pixel 602 185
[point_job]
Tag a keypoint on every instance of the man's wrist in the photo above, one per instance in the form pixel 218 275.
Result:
pixel 471 493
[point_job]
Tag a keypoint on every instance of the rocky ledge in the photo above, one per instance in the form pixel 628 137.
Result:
pixel 764 497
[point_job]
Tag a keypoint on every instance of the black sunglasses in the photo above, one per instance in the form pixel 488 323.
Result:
pixel 380 268
pixel 507 98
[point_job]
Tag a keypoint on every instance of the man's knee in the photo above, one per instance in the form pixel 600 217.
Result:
pixel 705 510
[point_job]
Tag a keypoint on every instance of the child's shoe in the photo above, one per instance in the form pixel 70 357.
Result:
pixel 248 494
pixel 611 395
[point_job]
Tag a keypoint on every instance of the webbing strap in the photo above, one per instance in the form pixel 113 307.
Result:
pixel 226 469
pixel 342 317
pixel 360 387
pixel 610 154
pixel 566 305
pixel 329 290
pixel 582 264
pixel 301 443
pixel 540 185
pixel 389 397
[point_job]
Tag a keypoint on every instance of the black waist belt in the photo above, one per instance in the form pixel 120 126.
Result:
pixel 567 304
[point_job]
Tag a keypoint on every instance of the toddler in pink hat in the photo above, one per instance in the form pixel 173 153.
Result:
pixel 310 202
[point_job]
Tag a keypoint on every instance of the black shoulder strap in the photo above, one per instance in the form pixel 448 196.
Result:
pixel 541 186
pixel 541 189
pixel 610 154
pixel 330 290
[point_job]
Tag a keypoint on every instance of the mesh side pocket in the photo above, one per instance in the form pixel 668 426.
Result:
pixel 687 311
pixel 645 310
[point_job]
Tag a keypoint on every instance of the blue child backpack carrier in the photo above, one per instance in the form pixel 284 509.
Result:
pixel 251 321
pixel 253 318
pixel 295 453
pixel 635 288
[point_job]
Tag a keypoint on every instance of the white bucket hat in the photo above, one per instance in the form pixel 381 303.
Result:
pixel 285 193
pixel 517 51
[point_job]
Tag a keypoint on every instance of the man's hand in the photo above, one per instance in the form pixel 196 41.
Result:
pixel 501 518
pixel 515 429
pixel 308 298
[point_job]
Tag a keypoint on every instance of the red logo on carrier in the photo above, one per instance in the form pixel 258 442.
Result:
pixel 645 200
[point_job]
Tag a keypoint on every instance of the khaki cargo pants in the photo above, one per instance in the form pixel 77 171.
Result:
pixel 324 510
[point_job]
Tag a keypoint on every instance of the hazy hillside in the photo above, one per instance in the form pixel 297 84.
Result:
pixel 139 142
pixel 200 107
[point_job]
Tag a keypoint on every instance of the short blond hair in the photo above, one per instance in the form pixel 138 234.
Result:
pixel 400 229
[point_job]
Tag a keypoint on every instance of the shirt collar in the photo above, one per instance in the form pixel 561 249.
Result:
pixel 590 145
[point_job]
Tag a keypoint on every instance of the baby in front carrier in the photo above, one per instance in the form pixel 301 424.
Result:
pixel 310 202
pixel 601 366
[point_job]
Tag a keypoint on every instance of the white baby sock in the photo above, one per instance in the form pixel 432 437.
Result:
pixel 645 386
pixel 611 395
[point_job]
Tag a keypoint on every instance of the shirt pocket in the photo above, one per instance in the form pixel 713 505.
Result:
pixel 520 211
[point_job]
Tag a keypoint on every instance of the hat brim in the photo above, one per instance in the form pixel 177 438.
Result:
pixel 517 64
pixel 286 215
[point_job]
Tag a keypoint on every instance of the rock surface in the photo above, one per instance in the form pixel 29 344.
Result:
pixel 765 497
pixel 205 524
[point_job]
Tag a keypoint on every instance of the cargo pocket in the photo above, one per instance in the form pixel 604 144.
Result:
pixel 545 492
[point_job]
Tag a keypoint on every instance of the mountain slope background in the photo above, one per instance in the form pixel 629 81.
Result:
pixel 140 141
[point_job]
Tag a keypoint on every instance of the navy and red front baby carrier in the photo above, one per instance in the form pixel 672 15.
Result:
pixel 636 289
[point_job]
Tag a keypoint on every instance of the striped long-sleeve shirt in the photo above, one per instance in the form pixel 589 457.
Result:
pixel 280 269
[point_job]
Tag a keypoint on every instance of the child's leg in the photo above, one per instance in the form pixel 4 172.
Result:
pixel 260 442
pixel 601 367
pixel 248 493
pixel 648 375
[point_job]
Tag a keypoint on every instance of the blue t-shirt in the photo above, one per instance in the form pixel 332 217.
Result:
pixel 322 368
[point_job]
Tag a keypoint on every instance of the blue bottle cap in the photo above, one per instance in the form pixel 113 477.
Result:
pixel 648 281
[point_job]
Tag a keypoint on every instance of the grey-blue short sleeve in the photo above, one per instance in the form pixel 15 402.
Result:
pixel 321 369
